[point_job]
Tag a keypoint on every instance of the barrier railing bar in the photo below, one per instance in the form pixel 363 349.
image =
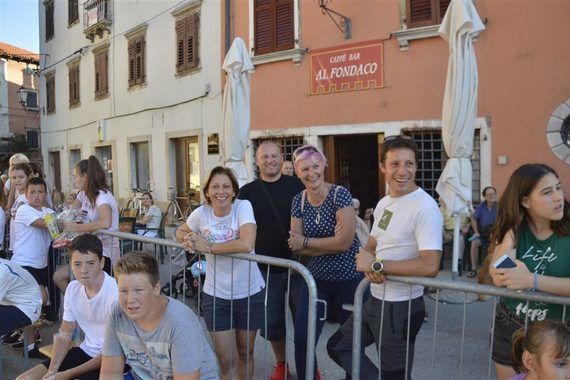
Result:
pixel 463 336
pixel 258 258
pixel 445 284
pixel 435 326
pixel 490 360
pixel 408 333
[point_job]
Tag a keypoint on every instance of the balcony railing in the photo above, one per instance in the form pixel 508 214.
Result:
pixel 96 18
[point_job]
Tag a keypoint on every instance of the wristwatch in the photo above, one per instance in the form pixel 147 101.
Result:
pixel 378 266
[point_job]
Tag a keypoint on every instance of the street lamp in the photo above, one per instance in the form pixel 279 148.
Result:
pixel 22 95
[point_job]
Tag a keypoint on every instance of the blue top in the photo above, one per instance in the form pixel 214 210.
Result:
pixel 484 216
pixel 335 267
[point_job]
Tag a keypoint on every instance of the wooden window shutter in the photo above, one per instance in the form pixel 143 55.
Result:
pixel 50 93
pixel 49 20
pixel 72 11
pixel 421 13
pixel 443 5
pixel 180 44
pixel 264 26
pixel 141 72
pixel 192 28
pixel 284 25
pixel 105 73
pixel 73 85
pixel 77 87
pixel 131 51
pixel 97 74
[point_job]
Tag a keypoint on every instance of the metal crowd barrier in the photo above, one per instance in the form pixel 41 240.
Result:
pixel 291 265
pixel 464 287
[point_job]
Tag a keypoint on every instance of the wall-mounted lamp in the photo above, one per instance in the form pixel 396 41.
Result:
pixel 22 96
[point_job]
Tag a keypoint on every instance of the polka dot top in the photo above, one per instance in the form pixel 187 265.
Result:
pixel 337 267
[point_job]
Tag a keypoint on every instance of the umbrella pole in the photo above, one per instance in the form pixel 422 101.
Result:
pixel 455 260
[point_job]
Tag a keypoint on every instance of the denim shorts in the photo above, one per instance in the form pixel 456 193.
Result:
pixel 222 315
pixel 506 323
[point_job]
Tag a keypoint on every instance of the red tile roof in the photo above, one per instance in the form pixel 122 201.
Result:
pixel 18 54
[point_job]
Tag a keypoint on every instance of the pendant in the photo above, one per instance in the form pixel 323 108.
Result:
pixel 318 218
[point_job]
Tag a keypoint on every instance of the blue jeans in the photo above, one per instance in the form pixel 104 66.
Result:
pixel 335 293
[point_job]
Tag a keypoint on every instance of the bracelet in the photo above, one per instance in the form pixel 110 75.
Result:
pixel 535 281
pixel 210 248
pixel 305 242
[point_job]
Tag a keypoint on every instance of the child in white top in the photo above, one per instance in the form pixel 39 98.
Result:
pixel 88 303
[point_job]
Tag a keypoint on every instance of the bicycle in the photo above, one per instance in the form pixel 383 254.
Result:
pixel 174 213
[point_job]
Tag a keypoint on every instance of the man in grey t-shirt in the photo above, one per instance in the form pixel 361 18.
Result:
pixel 157 336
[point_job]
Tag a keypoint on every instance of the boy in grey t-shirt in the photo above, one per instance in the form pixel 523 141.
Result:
pixel 157 336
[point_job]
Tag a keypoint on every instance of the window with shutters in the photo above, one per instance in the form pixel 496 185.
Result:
pixel 425 12
pixel 101 73
pixel 274 26
pixel 73 85
pixel 137 56
pixel 50 93
pixel 72 11
pixel 187 42
pixel 49 19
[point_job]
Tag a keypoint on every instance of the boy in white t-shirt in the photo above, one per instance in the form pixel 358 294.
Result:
pixel 88 303
pixel 31 237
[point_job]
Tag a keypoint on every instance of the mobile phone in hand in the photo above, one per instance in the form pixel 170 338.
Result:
pixel 504 262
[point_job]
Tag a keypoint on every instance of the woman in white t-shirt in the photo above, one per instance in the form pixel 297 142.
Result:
pixel 232 287
pixel 99 208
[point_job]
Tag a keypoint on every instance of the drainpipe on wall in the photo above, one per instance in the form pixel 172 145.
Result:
pixel 228 23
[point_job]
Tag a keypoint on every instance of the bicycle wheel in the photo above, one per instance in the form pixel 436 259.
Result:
pixel 170 215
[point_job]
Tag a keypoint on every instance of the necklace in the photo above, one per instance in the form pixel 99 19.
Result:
pixel 319 207
pixel 318 217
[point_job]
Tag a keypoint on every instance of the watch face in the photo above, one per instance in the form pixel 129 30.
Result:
pixel 377 266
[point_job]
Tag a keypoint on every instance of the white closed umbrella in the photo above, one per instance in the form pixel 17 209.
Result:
pixel 460 24
pixel 236 109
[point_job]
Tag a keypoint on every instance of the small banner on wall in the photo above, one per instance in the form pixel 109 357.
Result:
pixel 343 68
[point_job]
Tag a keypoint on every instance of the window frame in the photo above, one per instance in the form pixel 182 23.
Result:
pixel 74 84
pixel 72 12
pixel 35 106
pixel 101 72
pixel 181 28
pixel 435 9
pixel 136 73
pixel 35 136
pixel 295 53
pixel 50 93
pixel 49 12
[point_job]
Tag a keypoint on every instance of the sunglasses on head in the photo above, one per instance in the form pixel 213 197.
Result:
pixel 307 148
pixel 391 139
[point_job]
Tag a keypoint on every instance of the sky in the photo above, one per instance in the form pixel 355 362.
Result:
pixel 19 24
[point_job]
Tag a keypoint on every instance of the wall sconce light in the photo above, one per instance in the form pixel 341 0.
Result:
pixel 22 96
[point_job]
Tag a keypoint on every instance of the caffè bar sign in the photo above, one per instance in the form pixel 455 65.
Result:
pixel 347 68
